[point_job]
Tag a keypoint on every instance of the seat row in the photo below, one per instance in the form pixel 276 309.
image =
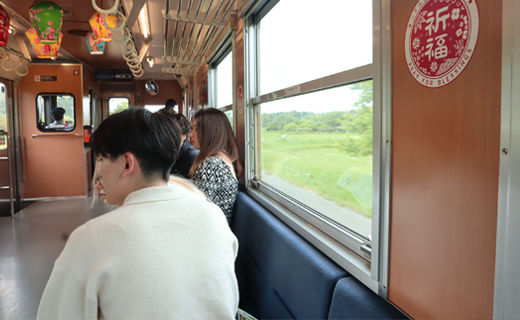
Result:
pixel 282 276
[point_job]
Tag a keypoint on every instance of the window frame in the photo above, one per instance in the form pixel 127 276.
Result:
pixel 367 261
pixel 219 55
pixel 55 94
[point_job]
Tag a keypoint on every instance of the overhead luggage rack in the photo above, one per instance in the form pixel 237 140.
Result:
pixel 191 29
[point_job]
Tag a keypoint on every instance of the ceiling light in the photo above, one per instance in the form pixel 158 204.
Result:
pixel 151 61
pixel 143 19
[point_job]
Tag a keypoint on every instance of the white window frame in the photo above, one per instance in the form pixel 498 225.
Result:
pixel 220 54
pixel 367 261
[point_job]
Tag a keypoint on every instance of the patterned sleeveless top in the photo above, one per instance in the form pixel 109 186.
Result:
pixel 214 177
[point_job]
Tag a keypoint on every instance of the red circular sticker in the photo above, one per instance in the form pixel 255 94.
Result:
pixel 240 93
pixel 440 39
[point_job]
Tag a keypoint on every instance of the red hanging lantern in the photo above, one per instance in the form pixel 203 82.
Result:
pixel 4 26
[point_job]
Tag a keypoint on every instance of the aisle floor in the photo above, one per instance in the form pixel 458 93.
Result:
pixel 30 242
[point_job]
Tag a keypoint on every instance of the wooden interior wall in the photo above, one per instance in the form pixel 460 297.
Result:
pixel 445 166
pixel 239 100
pixel 168 89
pixel 200 87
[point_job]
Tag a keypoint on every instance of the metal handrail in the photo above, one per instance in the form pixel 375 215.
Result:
pixel 56 135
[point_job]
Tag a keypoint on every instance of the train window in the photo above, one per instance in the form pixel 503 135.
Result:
pixel 229 114
pixel 116 105
pixel 224 82
pixel 55 112
pixel 314 113
pixel 220 77
pixel 317 148
pixel 302 41
pixel 3 117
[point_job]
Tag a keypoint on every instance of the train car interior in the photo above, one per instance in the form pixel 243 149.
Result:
pixel 378 139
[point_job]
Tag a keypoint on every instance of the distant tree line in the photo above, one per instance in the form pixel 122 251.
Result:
pixel 356 122
pixel 123 105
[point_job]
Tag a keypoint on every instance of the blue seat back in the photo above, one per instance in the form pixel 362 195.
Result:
pixel 280 275
pixel 352 300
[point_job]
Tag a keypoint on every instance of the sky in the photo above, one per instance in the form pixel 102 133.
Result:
pixel 301 41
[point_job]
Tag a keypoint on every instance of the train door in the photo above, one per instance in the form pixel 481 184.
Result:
pixel 52 132
pixel 7 162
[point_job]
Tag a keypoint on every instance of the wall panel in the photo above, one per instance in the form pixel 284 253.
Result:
pixel 168 89
pixel 445 179
pixel 53 162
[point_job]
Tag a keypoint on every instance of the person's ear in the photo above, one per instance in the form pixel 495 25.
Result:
pixel 130 163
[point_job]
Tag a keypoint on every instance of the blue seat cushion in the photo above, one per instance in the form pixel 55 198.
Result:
pixel 280 275
pixel 352 300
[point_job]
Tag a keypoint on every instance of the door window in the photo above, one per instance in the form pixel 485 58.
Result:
pixel 55 112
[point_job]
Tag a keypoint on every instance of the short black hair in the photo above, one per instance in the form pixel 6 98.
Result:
pixel 152 137
pixel 170 103
pixel 183 123
pixel 58 113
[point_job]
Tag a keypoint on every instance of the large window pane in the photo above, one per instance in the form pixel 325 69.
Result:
pixel 317 148
pixel 225 82
pixel 302 40
pixel 229 115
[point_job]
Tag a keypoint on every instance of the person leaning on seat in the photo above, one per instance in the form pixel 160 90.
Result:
pixel 164 253
pixel 187 153
pixel 169 107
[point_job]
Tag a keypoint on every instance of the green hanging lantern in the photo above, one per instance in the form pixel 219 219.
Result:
pixel 47 19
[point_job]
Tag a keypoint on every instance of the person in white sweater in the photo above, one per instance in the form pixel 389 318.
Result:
pixel 165 252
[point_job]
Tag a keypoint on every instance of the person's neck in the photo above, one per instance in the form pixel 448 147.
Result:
pixel 142 183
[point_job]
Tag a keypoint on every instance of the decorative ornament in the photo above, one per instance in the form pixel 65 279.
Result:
pixel 95 46
pixel 100 24
pixel 43 50
pixel 47 19
pixel 4 26
pixel 440 40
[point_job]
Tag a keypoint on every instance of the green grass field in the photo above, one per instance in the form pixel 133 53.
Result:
pixel 319 162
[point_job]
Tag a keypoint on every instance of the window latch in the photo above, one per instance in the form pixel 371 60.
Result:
pixel 366 248
pixel 254 183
